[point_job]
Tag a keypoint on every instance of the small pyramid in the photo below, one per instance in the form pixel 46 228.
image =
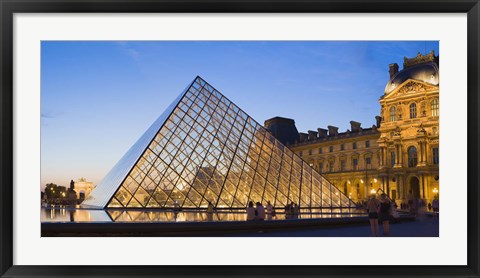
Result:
pixel 203 149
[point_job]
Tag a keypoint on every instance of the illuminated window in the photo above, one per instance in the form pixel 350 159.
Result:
pixel 393 114
pixel 355 163
pixel 413 111
pixel 434 107
pixel 368 162
pixel 412 156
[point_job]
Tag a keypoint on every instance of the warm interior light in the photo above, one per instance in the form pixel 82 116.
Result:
pixel 373 191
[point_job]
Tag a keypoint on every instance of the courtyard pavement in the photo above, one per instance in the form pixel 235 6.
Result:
pixel 426 227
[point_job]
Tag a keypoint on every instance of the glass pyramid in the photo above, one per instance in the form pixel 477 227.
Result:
pixel 204 148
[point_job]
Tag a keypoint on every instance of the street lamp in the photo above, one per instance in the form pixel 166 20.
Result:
pixel 435 192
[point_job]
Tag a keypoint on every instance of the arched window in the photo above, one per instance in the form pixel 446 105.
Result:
pixel 393 114
pixel 434 107
pixel 412 157
pixel 413 111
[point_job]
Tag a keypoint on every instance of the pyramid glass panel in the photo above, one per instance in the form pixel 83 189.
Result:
pixel 203 149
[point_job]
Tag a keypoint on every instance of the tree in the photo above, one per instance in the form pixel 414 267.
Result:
pixel 50 190
pixel 54 191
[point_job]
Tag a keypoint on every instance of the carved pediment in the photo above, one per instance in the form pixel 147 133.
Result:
pixel 414 131
pixel 411 87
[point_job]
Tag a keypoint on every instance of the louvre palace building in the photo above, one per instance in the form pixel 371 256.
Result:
pixel 398 155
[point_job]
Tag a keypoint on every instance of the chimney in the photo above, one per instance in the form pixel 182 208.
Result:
pixel 303 137
pixel 393 69
pixel 322 133
pixel 312 135
pixel 332 130
pixel 379 120
pixel 355 126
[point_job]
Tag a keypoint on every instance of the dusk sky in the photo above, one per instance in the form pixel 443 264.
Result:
pixel 97 98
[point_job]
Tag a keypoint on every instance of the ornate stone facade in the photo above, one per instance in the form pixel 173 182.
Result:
pixel 400 154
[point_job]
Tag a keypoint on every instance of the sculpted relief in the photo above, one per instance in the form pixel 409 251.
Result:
pixel 412 87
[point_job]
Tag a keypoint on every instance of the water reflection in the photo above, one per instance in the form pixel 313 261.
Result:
pixel 65 214
pixel 68 214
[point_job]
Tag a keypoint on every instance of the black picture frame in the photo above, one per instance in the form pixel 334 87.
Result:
pixel 9 7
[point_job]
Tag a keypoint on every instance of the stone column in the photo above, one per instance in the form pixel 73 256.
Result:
pixel 423 185
pixel 399 187
pixel 388 185
pixel 420 157
pixel 382 160
pixel 403 186
pixel 365 188
pixel 398 155
pixel 423 153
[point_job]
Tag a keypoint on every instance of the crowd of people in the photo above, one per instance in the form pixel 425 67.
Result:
pixel 383 210
pixel 380 211
pixel 259 211
pixel 292 211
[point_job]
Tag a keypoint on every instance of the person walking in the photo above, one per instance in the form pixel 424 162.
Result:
pixel 250 211
pixel 260 212
pixel 210 207
pixel 270 211
pixel 372 207
pixel 287 211
pixel 210 211
pixel 435 206
pixel 296 211
pixel 384 215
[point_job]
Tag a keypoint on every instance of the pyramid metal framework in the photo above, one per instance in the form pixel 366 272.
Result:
pixel 204 148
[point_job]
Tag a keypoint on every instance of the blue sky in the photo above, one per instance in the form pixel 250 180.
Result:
pixel 97 98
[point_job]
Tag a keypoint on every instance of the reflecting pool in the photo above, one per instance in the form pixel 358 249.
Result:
pixel 69 214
